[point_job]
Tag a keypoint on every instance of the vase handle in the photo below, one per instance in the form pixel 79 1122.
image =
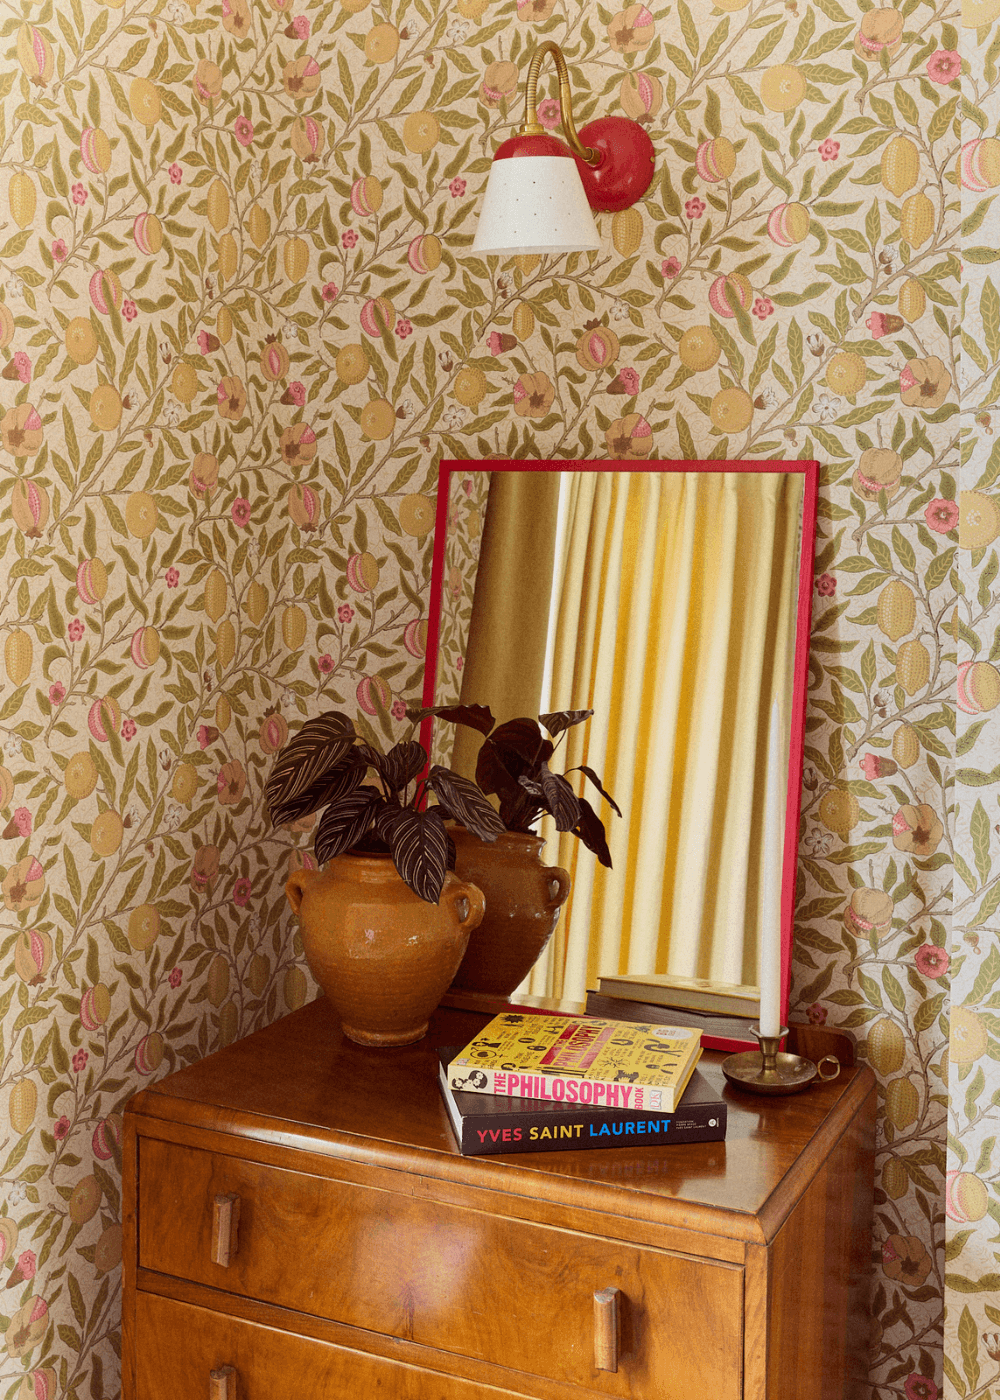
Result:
pixel 559 886
pixel 474 901
pixel 296 886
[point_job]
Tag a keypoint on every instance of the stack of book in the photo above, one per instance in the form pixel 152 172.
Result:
pixel 530 1083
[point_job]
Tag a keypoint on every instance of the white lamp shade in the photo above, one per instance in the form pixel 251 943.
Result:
pixel 535 204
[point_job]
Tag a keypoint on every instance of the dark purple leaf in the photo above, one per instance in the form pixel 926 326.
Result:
pixel 344 823
pixel 336 785
pixel 563 719
pixel 523 738
pixel 589 772
pixel 401 764
pixel 452 854
pixel 302 765
pixel 475 716
pixel 590 830
pixel 519 810
pixel 560 800
pixel 419 846
pixel 462 800
pixel 491 775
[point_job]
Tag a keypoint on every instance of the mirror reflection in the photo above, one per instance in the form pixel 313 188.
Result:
pixel 667 599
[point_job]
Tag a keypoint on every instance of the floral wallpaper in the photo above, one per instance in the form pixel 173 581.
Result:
pixel 240 324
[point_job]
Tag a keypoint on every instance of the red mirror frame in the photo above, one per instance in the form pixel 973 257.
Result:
pixel 809 470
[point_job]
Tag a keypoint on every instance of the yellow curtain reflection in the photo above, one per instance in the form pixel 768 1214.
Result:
pixel 505 653
pixel 675 595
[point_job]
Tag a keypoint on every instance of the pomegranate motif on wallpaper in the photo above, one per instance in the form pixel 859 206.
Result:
pixel 240 323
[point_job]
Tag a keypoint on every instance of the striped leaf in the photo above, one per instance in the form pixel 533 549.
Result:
pixel 397 767
pixel 335 785
pixel 461 799
pixel 559 720
pixel 345 823
pixel 475 716
pixel 589 773
pixel 419 846
pixel 305 763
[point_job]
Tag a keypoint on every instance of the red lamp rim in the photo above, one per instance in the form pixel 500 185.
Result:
pixel 543 144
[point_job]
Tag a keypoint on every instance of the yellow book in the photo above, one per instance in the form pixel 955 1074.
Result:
pixel 579 1059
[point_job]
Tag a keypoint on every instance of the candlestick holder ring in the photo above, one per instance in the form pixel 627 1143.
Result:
pixel 770 1071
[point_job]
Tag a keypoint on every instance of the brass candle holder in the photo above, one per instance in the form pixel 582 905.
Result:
pixel 771 1071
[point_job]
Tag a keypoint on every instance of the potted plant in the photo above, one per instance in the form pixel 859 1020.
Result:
pixel 523 896
pixel 385 925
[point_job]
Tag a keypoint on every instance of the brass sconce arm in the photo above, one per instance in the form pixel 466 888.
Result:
pixel 532 126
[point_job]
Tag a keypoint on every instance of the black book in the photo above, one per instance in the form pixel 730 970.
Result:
pixel 490 1123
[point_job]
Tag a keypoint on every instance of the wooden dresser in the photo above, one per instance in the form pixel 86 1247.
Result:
pixel 298 1222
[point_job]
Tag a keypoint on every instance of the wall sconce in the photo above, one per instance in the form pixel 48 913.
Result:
pixel 541 190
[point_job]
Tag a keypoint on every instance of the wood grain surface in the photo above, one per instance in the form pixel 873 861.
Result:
pixel 506 1292
pixel 302 1083
pixel 371 1258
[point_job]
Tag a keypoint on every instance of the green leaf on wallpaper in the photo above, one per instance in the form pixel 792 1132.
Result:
pixel 981 255
pixel 965 873
pixel 903 549
pixel 986 979
pixel 743 93
pixel 973 777
pixel 986 1283
pixel 893 990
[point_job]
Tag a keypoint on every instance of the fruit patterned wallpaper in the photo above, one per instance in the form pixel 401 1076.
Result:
pixel 239 324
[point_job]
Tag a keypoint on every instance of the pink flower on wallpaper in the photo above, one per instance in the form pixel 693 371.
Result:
pixel 79 193
pixel 19 824
pixel 299 28
pixel 26 1262
pixel 349 238
pixel 57 693
pixel 172 578
pixel 60 1128
pixel 176 174
pixel 175 978
pixel 295 394
pixel 80 1061
pixel 324 663
pixel 695 207
pixel 457 188
pixel 763 307
pixel 549 112
pixel 944 66
pixel 629 380
pixel 826 585
pixel 920 1388
pixel 931 961
pixel 331 291
pixel 75 630
pixel 399 709
pixel 404 328
pixel 670 267
pixel 243 127
pixel 460 663
pixel 22 366
pixel 241 511
pixel 129 310
pixel 816 1014
pixel 829 150
pixel 207 734
pixel 59 250
pixel 941 516
pixel 129 730
pixel 241 891
pixel 345 613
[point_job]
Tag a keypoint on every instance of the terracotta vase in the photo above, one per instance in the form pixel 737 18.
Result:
pixel 523 899
pixel 382 955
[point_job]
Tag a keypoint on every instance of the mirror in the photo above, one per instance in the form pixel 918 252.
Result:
pixel 673 599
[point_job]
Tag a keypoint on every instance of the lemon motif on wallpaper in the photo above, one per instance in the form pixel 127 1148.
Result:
pixel 240 325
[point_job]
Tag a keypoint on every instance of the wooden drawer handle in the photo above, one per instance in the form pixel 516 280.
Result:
pixel 222 1384
pixel 225 1237
pixel 606 1329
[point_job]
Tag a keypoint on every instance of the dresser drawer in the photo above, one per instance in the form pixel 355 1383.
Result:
pixel 179 1346
pixel 505 1291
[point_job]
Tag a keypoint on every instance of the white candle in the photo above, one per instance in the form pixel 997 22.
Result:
pixel 769 950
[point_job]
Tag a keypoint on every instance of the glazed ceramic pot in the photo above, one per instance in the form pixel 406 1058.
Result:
pixel 523 899
pixel 382 955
